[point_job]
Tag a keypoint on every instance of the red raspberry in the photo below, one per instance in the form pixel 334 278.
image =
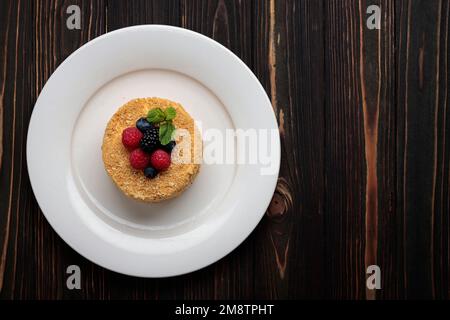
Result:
pixel 160 160
pixel 131 137
pixel 139 159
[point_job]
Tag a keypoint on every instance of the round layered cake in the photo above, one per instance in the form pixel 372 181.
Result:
pixel 138 155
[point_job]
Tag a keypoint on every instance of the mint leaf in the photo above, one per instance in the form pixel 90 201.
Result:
pixel 155 115
pixel 166 130
pixel 164 119
pixel 170 113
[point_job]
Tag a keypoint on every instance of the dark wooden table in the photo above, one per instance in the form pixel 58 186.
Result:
pixel 364 117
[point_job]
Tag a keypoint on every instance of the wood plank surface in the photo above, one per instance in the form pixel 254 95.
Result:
pixel 364 122
pixel 423 150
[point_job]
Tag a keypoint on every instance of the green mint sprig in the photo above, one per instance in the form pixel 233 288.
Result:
pixel 164 119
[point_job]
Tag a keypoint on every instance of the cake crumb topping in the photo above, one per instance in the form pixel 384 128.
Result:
pixel 167 184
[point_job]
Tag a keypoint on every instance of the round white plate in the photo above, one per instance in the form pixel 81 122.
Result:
pixel 210 219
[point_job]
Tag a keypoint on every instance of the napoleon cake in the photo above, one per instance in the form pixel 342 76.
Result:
pixel 145 155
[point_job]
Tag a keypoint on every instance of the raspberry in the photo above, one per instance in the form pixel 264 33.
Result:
pixel 160 160
pixel 139 159
pixel 131 137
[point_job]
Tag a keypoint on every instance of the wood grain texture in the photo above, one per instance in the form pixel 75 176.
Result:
pixel 345 161
pixel 389 233
pixel 422 148
pixel 364 123
pixel 360 125
pixel 289 63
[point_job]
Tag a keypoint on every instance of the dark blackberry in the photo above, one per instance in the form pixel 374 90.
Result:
pixel 150 172
pixel 143 125
pixel 169 147
pixel 150 140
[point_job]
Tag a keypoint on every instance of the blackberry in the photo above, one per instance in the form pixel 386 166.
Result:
pixel 150 172
pixel 150 140
pixel 143 125
pixel 169 147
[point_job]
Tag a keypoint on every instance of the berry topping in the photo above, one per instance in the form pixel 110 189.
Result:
pixel 139 159
pixel 150 140
pixel 160 160
pixel 143 125
pixel 169 147
pixel 150 172
pixel 131 138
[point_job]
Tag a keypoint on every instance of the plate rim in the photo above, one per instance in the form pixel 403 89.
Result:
pixel 32 125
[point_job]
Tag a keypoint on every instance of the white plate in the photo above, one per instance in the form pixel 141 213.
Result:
pixel 210 219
